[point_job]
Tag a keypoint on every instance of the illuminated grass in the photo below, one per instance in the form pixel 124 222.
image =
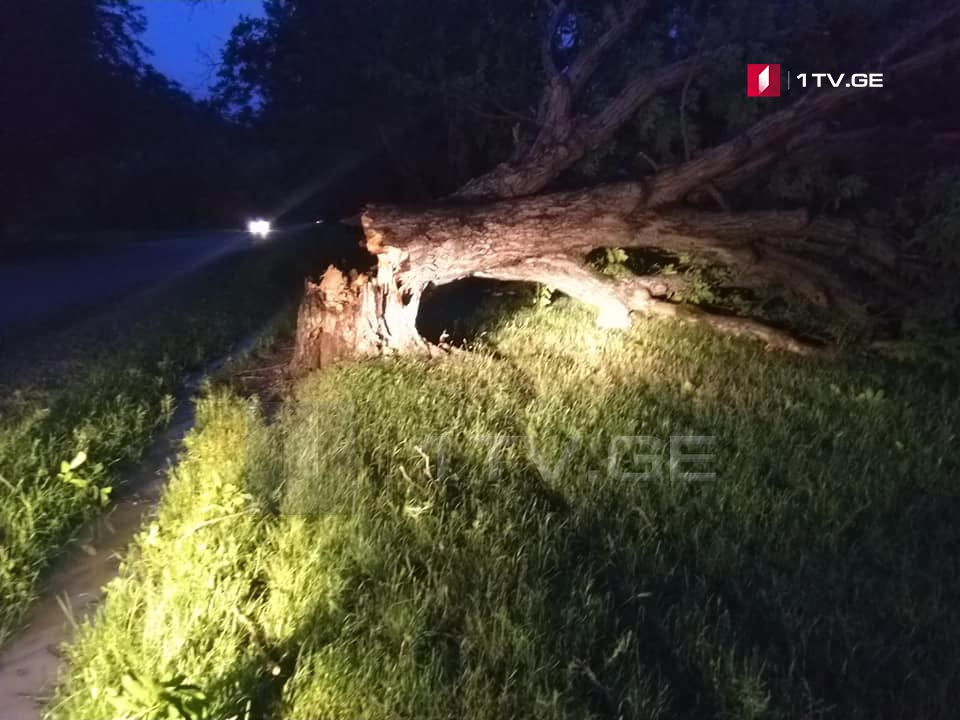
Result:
pixel 343 562
pixel 107 400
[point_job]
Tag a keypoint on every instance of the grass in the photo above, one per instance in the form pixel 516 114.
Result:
pixel 106 395
pixel 451 539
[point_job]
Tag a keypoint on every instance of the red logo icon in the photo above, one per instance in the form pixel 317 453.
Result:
pixel 763 81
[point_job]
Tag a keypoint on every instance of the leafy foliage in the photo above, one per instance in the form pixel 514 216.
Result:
pixel 929 219
pixel 149 699
pixel 314 78
pixel 68 474
pixel 471 72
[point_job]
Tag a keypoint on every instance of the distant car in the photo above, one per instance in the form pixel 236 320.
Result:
pixel 259 227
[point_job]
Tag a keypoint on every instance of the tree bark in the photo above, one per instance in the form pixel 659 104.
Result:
pixel 442 244
pixel 345 317
pixel 615 300
pixel 563 141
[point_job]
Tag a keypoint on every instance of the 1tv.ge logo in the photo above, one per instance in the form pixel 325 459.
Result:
pixel 763 81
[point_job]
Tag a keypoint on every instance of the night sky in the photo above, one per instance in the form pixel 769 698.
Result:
pixel 186 40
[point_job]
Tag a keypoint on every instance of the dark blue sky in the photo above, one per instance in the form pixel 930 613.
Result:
pixel 186 40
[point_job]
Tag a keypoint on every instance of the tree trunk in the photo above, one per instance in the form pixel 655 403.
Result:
pixel 345 317
pixel 438 245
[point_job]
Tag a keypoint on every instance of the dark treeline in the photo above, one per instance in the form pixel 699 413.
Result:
pixel 93 137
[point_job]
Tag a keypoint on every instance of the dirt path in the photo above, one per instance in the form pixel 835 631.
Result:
pixel 30 661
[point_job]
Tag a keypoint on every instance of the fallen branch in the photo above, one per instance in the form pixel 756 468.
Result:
pixel 615 300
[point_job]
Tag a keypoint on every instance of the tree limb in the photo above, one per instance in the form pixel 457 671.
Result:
pixel 588 61
pixel 615 300
pixel 561 144
pixel 923 29
pixel 562 141
pixel 671 184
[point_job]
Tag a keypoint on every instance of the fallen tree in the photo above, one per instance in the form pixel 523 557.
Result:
pixel 497 227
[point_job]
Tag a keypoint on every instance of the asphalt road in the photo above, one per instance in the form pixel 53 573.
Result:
pixel 37 293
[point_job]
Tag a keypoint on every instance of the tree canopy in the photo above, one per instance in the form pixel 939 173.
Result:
pixel 314 75
pixel 93 135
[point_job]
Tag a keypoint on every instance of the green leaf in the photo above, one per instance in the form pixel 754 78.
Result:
pixel 77 461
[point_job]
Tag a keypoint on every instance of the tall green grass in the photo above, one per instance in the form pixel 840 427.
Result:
pixel 448 539
pixel 108 402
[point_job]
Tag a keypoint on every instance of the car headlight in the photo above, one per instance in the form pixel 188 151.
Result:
pixel 260 228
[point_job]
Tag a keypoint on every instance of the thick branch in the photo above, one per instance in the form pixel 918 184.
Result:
pixel 588 60
pixel 554 112
pixel 598 130
pixel 614 300
pixel 763 140
pixel 923 143
pixel 573 278
pixel 562 143
pixel 555 115
pixel 736 326
pixel 443 244
pixel 920 32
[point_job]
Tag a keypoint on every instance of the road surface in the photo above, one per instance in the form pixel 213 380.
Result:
pixel 36 293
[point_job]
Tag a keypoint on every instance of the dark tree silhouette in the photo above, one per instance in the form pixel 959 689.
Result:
pixel 92 136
